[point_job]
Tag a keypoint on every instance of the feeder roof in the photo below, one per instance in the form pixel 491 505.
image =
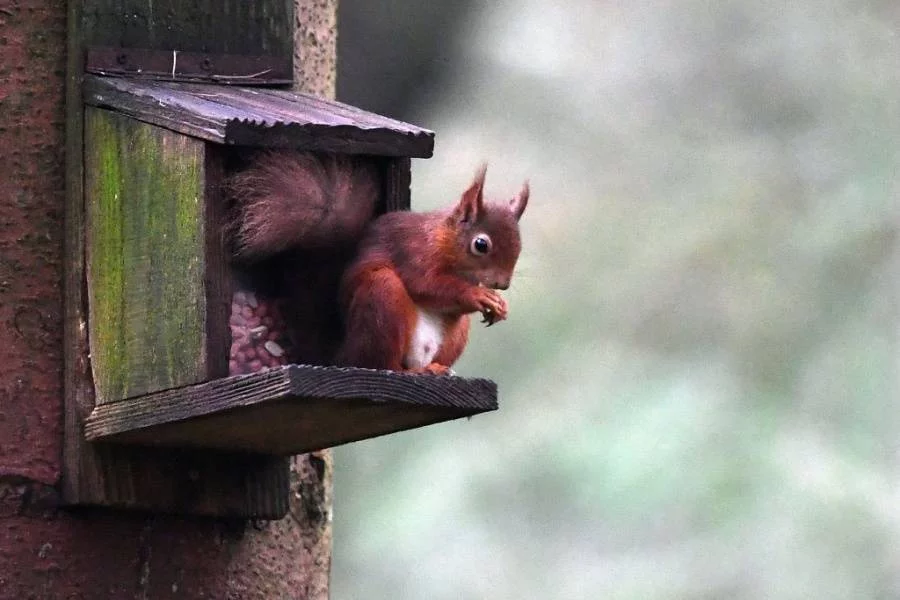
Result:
pixel 261 117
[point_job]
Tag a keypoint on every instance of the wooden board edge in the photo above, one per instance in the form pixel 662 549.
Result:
pixel 468 396
pixel 344 139
pixel 376 139
pixel 100 93
pixel 398 179
pixel 179 435
pixel 217 284
pixel 77 400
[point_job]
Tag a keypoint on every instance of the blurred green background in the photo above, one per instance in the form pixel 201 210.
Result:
pixel 699 373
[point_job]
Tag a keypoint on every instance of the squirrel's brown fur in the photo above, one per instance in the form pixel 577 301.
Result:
pixel 287 199
pixel 420 266
pixel 405 298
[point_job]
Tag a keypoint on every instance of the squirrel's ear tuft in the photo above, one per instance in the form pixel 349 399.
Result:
pixel 518 203
pixel 471 205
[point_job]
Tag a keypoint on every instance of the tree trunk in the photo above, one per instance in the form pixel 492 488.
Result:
pixel 47 552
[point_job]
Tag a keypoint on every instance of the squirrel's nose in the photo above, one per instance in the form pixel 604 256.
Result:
pixel 501 284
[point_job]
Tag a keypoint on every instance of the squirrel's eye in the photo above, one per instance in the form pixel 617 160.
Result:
pixel 481 244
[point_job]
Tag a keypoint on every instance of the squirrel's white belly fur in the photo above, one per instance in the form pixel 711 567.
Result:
pixel 426 339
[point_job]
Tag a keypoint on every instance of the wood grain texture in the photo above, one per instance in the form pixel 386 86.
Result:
pixel 189 482
pixel 80 469
pixel 144 191
pixel 218 26
pixel 290 410
pixel 136 478
pixel 217 277
pixel 259 117
pixel 133 478
pixel 169 65
pixel 398 178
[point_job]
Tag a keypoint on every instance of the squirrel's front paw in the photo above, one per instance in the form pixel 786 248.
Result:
pixel 489 317
pixel 491 305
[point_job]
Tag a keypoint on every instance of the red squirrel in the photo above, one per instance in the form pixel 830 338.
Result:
pixel 406 294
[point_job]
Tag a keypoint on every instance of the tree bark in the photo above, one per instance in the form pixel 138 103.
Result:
pixel 47 552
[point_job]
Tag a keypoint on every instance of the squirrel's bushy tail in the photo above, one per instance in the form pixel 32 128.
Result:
pixel 289 199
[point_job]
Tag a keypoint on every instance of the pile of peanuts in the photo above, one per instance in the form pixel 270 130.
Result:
pixel 258 338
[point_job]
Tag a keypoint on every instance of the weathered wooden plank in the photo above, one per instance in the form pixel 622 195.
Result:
pixel 232 102
pixel 351 115
pixel 81 471
pixel 342 139
pixel 295 107
pixel 270 109
pixel 397 181
pixel 195 116
pixel 258 117
pixel 218 26
pixel 144 193
pixel 190 482
pixel 217 278
pixel 136 478
pixel 290 410
pixel 171 65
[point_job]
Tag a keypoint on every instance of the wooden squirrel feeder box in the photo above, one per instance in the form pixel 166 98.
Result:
pixel 156 421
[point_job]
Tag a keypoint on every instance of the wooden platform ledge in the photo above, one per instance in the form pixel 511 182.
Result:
pixel 289 410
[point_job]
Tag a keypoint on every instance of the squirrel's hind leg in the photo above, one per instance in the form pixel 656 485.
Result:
pixel 456 337
pixel 378 322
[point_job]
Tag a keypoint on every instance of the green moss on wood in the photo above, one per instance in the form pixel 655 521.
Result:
pixel 145 244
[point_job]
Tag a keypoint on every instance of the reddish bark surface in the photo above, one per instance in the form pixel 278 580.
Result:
pixel 47 552
pixel 32 43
